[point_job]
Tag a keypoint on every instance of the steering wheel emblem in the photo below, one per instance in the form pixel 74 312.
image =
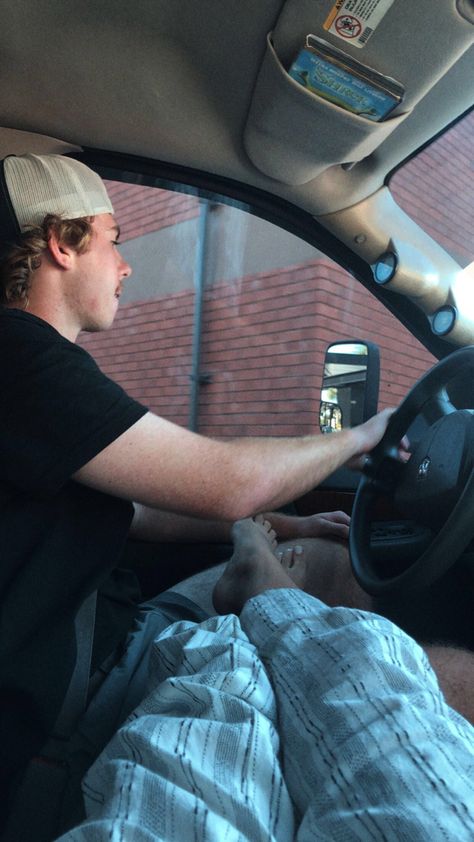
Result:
pixel 424 468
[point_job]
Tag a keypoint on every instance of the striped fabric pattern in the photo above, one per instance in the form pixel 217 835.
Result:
pixel 294 722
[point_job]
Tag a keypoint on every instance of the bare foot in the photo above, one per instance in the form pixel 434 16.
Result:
pixel 252 569
pixel 267 527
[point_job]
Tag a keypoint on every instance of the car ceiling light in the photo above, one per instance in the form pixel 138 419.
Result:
pixel 443 321
pixel 385 267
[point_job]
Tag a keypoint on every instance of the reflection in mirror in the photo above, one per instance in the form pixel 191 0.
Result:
pixel 349 380
pixel 330 416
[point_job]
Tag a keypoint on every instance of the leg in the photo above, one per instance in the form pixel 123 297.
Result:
pixel 199 758
pixel 200 586
pixel 322 567
pixel 370 748
pixel 455 671
pixel 252 569
pixel 325 571
pixel 319 566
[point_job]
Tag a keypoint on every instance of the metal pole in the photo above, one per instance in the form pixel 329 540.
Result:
pixel 199 279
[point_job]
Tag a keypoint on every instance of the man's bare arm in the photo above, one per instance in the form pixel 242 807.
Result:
pixel 159 464
pixel 156 525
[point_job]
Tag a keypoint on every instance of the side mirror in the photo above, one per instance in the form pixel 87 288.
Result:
pixel 350 388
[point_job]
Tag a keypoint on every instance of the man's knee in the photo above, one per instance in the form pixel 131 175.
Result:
pixel 325 572
pixel 454 669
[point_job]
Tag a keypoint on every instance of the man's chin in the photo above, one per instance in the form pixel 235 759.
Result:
pixel 98 326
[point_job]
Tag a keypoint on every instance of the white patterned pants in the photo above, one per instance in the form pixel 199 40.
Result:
pixel 294 721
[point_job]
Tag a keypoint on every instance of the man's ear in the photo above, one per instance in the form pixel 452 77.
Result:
pixel 60 253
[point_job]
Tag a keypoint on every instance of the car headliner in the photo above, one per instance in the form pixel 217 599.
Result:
pixel 174 81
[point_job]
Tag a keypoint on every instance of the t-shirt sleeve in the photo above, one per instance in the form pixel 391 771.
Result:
pixel 58 411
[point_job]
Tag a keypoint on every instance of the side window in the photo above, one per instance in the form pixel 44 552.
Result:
pixel 224 324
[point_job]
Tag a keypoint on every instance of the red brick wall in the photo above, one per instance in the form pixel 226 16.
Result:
pixel 436 189
pixel 263 347
pixel 265 351
pixel 142 210
pixel 148 351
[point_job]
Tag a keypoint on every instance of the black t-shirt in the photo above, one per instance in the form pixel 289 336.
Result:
pixel 59 540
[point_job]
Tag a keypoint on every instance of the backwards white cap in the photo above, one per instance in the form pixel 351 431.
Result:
pixel 42 184
pixel 31 186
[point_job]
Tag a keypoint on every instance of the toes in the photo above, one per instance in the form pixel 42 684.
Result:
pixel 272 537
pixel 265 524
pixel 290 556
pixel 287 557
pixel 267 527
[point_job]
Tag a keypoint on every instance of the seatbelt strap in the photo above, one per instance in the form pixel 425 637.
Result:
pixel 75 701
pixel 38 805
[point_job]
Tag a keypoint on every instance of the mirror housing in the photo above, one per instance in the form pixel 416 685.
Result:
pixel 350 387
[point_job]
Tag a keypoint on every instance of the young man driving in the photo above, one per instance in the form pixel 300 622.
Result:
pixel 84 466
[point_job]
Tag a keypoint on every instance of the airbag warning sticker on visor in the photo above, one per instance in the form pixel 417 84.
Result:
pixel 355 20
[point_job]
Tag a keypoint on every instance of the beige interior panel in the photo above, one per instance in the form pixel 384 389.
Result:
pixel 293 135
pixel 175 81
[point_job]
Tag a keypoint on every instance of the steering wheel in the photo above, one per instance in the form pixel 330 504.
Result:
pixel 435 488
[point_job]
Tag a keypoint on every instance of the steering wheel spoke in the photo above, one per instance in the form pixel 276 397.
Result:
pixel 384 474
pixel 437 407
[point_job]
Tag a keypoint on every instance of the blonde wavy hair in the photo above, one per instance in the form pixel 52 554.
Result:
pixel 19 265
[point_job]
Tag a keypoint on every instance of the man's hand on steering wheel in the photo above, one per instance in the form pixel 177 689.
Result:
pixel 371 433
